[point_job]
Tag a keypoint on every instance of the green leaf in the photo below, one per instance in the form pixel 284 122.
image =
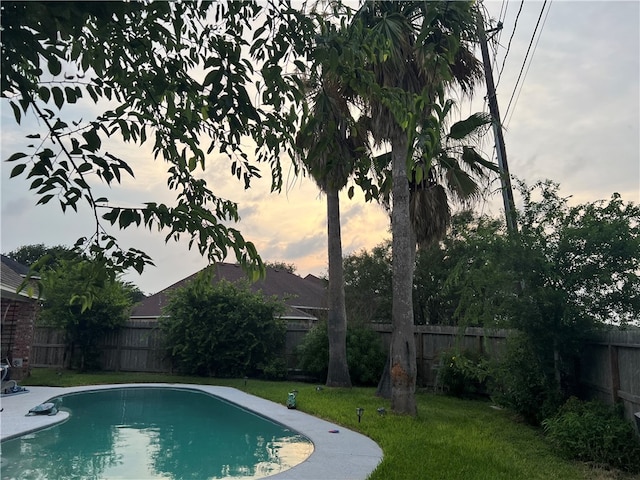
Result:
pixel 84 167
pixel 17 170
pixel 92 93
pixel 58 97
pixel 92 139
pixel 16 156
pixel 16 111
pixel 44 94
pixel 44 199
pixel 54 66
pixel 127 217
pixel 112 215
pixel 71 95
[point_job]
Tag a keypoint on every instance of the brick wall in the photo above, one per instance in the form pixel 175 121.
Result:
pixel 18 326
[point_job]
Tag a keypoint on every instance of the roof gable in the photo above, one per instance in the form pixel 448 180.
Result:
pixel 297 293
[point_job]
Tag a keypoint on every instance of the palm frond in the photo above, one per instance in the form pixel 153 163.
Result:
pixel 463 187
pixel 430 214
pixel 471 126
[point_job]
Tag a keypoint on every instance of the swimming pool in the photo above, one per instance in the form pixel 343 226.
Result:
pixel 164 433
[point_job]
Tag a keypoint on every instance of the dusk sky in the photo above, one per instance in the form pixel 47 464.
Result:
pixel 574 118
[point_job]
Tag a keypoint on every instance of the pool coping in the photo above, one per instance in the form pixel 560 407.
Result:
pixel 346 455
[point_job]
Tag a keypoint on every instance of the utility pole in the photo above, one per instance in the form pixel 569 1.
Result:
pixel 505 178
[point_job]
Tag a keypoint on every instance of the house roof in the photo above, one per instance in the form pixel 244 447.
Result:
pixel 12 274
pixel 302 296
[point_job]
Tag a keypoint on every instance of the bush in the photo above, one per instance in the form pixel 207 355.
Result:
pixel 463 373
pixel 313 352
pixel 276 369
pixel 223 330
pixel 594 432
pixel 365 355
pixel 520 381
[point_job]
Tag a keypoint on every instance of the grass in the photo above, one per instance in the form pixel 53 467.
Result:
pixel 450 438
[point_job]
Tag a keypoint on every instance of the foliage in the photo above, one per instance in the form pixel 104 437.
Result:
pixel 594 432
pixel 63 308
pixel 44 256
pixel 276 369
pixel 222 329
pixel 284 266
pixel 367 285
pixel 313 352
pixel 170 77
pixel 522 380
pixel 463 373
pixel 435 298
pixel 569 271
pixel 133 291
pixel 365 356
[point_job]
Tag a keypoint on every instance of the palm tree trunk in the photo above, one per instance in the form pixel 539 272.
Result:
pixel 338 373
pixel 403 348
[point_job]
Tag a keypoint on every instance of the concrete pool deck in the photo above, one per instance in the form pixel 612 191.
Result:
pixel 345 455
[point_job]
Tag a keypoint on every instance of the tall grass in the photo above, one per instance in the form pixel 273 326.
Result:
pixel 450 439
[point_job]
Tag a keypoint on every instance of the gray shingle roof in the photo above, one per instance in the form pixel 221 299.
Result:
pixel 302 296
pixel 12 275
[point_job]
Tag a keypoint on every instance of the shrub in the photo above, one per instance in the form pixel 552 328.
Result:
pixel 276 369
pixel 365 355
pixel 313 352
pixel 520 381
pixel 463 373
pixel 594 432
pixel 223 330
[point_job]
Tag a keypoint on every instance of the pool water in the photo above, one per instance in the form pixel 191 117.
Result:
pixel 155 433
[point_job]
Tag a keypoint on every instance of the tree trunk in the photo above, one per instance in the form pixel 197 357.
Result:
pixel 403 349
pixel 338 374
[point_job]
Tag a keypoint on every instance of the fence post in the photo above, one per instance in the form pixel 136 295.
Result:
pixel 420 358
pixel 615 373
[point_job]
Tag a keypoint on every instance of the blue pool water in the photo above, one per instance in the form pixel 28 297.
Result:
pixel 155 433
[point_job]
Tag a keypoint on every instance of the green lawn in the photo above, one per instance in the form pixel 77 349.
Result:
pixel 451 438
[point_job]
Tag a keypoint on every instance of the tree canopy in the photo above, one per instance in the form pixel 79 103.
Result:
pixel 178 77
pixel 574 265
pixel 40 254
pixel 64 309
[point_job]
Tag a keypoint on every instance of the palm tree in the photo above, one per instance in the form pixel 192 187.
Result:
pixel 419 48
pixel 332 143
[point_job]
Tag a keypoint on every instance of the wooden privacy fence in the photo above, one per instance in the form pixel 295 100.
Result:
pixel 137 347
pixel 610 365
pixel 611 369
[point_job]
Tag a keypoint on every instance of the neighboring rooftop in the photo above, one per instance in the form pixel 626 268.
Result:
pixel 12 274
pixel 303 296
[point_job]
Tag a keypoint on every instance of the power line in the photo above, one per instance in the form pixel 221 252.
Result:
pixel 525 57
pixel 501 16
pixel 527 70
pixel 515 25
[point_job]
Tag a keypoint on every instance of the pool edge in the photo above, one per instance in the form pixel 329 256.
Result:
pixel 346 455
